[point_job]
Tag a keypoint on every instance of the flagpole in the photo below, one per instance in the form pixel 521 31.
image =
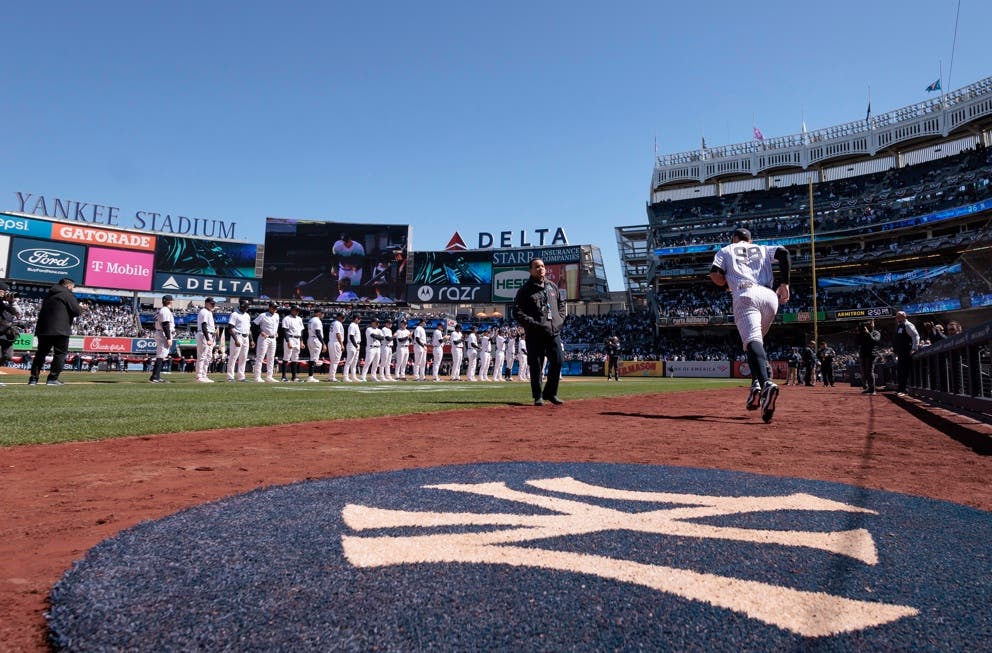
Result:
pixel 812 249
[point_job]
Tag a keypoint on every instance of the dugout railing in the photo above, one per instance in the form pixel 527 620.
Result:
pixel 957 371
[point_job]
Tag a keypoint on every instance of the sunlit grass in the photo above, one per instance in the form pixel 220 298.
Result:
pixel 110 405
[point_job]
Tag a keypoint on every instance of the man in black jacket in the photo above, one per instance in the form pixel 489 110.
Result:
pixel 54 327
pixel 809 362
pixel 540 309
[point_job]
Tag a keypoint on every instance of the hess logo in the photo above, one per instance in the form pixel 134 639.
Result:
pixel 49 258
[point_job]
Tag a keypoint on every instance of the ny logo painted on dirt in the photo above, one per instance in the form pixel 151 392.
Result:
pixel 811 614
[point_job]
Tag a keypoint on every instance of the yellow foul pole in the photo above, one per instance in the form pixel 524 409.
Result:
pixel 812 251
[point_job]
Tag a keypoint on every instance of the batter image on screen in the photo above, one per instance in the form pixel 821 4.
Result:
pixel 332 261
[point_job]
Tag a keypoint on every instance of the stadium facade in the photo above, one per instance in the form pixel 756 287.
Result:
pixel 901 213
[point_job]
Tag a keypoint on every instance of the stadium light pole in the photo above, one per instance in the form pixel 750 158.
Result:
pixel 812 251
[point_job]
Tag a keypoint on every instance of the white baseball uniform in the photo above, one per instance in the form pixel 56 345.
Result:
pixel 265 346
pixel 205 329
pixel 352 350
pixel 386 354
pixel 457 352
pixel 748 270
pixel 402 337
pixel 437 348
pixel 240 327
pixel 335 347
pixel 485 355
pixel 472 354
pixel 419 353
pixel 373 345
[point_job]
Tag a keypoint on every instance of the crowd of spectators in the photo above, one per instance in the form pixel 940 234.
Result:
pixel 98 319
pixel 861 204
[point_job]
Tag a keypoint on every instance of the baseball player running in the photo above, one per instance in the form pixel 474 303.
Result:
pixel 745 269
pixel 315 343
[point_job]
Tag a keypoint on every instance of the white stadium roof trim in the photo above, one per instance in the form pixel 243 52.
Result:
pixel 963 112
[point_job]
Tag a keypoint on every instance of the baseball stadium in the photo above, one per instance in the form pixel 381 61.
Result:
pixel 423 502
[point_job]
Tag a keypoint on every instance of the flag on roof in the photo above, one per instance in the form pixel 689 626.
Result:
pixel 868 113
pixel 934 87
pixel 758 135
pixel 455 244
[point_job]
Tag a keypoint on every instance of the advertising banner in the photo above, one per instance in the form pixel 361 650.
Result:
pixel 864 313
pixel 451 277
pixel 202 285
pixel 566 277
pixel 198 256
pixel 117 268
pixel 505 258
pixel 335 261
pixel 780 369
pixel 4 251
pixel 101 344
pixel 143 346
pixel 24 342
pixel 641 368
pixel 45 261
pixel 84 235
pixel 18 226
pixel 506 283
pixel 698 369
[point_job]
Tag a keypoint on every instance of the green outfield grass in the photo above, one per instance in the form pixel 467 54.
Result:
pixel 110 405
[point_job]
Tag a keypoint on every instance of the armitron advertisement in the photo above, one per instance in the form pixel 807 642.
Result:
pixel 452 277
pixel 335 261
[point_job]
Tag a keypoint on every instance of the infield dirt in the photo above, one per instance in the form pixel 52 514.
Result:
pixel 60 500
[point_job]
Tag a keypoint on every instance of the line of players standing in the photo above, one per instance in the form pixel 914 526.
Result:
pixel 387 352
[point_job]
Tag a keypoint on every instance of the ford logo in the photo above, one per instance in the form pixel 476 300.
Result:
pixel 49 258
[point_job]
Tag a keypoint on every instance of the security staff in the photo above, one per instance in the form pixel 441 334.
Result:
pixel 540 308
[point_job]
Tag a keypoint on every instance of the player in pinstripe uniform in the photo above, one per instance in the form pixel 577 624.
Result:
pixel 745 269
pixel 419 352
pixel 485 355
pixel 315 343
pixel 335 346
pixel 353 349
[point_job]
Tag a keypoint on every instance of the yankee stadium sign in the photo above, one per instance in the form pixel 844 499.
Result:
pixel 88 212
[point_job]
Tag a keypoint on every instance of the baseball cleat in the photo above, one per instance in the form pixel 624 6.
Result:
pixel 768 397
pixel 754 397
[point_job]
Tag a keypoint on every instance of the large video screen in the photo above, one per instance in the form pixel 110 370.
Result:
pixel 452 277
pixel 335 261
pixel 198 256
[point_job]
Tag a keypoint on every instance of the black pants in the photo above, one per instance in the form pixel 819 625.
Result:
pixel 611 367
pixel 808 373
pixel 46 344
pixel 904 368
pixel 541 347
pixel 827 369
pixel 868 372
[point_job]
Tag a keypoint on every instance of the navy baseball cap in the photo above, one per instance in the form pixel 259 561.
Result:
pixel 741 234
pixel 166 298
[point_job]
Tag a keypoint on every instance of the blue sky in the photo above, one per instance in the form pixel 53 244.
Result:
pixel 444 115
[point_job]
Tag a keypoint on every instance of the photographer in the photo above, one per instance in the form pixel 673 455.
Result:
pixel 868 339
pixel 53 329
pixel 9 330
